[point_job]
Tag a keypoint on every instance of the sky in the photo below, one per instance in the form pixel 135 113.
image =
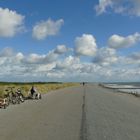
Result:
pixel 70 41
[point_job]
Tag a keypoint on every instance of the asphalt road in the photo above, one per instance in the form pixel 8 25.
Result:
pixel 75 113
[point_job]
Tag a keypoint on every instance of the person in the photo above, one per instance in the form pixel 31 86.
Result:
pixel 32 91
pixel 83 83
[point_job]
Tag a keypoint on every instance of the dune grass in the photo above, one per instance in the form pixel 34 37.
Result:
pixel 42 88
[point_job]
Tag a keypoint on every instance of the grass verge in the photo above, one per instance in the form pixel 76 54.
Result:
pixel 42 88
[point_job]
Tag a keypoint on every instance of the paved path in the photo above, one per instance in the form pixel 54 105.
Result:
pixel 111 115
pixel 75 113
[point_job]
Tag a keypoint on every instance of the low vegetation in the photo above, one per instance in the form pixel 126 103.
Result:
pixel 41 87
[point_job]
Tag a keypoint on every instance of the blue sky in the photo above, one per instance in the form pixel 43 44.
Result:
pixel 77 40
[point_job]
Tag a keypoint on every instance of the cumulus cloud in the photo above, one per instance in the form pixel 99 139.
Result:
pixel 73 68
pixel 61 49
pixel 33 58
pixel 40 59
pixel 106 56
pixel 130 7
pixel 50 57
pixel 117 41
pixel 46 28
pixel 85 45
pixel 11 22
pixel 68 62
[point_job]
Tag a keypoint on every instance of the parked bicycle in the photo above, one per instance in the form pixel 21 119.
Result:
pixel 12 96
pixel 20 95
pixel 3 103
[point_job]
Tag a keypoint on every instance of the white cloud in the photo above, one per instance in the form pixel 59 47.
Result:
pixel 117 41
pixel 85 45
pixel 68 62
pixel 106 57
pixel 127 7
pixel 124 74
pixel 16 67
pixel 73 68
pixel 7 52
pixel 56 75
pixel 19 56
pixel 39 59
pixel 16 64
pixel 47 28
pixel 56 66
pixel 103 4
pixel 50 57
pixel 61 49
pixel 132 59
pixel 135 10
pixel 49 66
pixel 35 58
pixel 46 67
pixel 10 22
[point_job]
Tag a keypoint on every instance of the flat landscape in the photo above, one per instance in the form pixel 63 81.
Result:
pixel 75 113
pixel 70 70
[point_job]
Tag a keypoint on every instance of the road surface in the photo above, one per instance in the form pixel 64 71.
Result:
pixel 75 113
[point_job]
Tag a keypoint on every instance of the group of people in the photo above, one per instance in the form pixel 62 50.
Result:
pixel 17 97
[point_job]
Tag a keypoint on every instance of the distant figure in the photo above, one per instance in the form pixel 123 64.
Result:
pixel 83 83
pixel 33 90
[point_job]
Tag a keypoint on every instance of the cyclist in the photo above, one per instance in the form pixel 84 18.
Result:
pixel 83 83
pixel 33 90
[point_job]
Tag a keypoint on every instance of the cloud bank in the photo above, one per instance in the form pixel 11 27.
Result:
pixel 65 64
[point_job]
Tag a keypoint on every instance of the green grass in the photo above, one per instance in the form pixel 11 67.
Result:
pixel 41 87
